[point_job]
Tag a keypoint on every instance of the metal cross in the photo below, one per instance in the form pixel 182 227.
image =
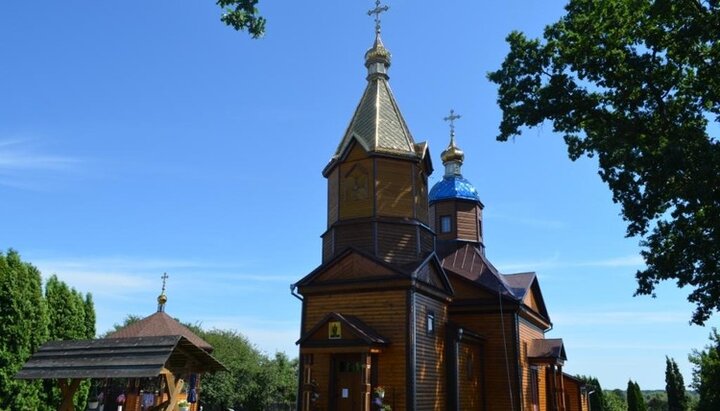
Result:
pixel 377 11
pixel 164 278
pixel 451 118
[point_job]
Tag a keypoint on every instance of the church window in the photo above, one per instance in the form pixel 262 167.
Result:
pixel 430 323
pixel 445 224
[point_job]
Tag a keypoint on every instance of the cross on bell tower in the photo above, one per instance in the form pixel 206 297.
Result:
pixel 377 11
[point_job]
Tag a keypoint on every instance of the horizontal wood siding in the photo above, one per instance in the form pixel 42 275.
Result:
pixel 572 395
pixel 467 223
pixel 430 354
pixel 496 374
pixel 333 195
pixel 397 243
pixel 394 186
pixel 427 242
pixel 544 374
pixel 470 377
pixel 531 301
pixel 528 333
pixel 327 246
pixel 352 267
pixel 440 209
pixel 356 189
pixel 421 195
pixel 431 218
pixel 359 236
pixel 386 313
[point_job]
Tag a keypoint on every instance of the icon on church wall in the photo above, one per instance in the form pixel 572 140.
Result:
pixel 334 330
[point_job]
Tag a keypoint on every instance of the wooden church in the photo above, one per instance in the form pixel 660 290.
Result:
pixel 406 312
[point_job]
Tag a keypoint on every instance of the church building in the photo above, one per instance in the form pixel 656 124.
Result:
pixel 406 312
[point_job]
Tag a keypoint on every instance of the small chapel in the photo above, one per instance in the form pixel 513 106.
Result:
pixel 406 312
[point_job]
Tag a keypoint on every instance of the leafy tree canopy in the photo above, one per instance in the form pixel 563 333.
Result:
pixel 675 387
pixel 635 83
pixel 706 374
pixel 242 15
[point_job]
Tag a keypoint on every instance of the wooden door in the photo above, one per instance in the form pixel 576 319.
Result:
pixel 347 382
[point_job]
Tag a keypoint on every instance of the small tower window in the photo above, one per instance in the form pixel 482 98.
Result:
pixel 445 224
pixel 430 323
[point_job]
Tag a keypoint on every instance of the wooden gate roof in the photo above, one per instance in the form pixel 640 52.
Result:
pixel 118 358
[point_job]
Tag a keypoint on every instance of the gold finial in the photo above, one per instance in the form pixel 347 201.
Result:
pixel 377 11
pixel 377 59
pixel 452 152
pixel 162 298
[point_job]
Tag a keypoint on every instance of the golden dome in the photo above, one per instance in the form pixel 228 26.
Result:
pixel 378 53
pixel 162 299
pixel 452 153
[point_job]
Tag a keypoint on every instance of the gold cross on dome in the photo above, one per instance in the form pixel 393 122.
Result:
pixel 164 278
pixel 377 11
pixel 451 118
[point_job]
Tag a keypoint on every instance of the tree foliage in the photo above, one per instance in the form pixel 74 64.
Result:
pixel 71 317
pixel 675 387
pixel 23 328
pixel 242 15
pixel 706 374
pixel 597 398
pixel 635 83
pixel 253 381
pixel 614 401
pixel 635 399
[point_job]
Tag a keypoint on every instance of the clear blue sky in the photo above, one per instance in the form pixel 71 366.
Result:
pixel 142 137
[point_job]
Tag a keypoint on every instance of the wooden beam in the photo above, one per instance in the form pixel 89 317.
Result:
pixel 68 392
pixel 174 388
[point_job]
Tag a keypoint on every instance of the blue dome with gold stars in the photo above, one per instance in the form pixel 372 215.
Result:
pixel 453 187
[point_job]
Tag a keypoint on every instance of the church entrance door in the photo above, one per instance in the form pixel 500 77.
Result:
pixel 347 382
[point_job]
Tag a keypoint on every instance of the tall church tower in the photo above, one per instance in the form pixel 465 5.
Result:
pixel 377 178
pixel 374 312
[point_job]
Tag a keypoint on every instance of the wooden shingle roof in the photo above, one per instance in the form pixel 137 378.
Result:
pixel 118 358
pixel 160 324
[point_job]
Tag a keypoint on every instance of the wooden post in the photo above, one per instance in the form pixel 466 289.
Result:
pixel 174 388
pixel 68 392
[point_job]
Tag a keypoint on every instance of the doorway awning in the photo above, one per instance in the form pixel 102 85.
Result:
pixel 338 331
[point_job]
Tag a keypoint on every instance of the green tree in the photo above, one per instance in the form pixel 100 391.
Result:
pixel 597 398
pixel 68 321
pixel 242 15
pixel 89 310
pixel 635 83
pixel 635 399
pixel 23 328
pixel 657 401
pixel 706 374
pixel 237 387
pixel 614 401
pixel 674 387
